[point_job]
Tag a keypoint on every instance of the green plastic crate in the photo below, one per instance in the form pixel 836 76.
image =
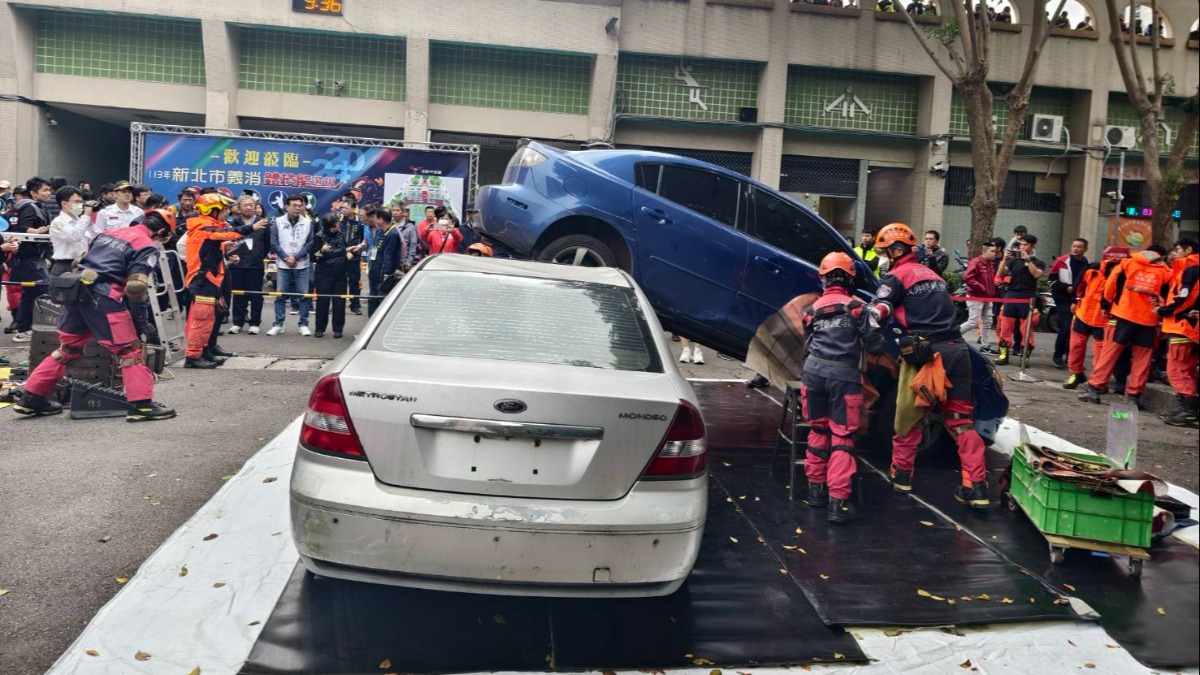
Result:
pixel 1067 509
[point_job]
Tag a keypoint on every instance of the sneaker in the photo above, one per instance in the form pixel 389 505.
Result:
pixel 988 349
pixel 356 310
pixel 1059 362
pixel 840 511
pixel 10 329
pixel 684 357
pixel 1091 394
pixel 974 495
pixel 201 363
pixel 319 334
pixel 901 480
pixel 235 329
pixel 305 331
pixel 23 336
pixel 295 312
pixel 275 330
pixel 209 356
pixel 818 495
pixel 36 406
pixel 1002 359
pixel 757 382
pixel 1074 381
pixel 148 411
pixel 1135 400
pixel 697 356
pixel 337 335
pixel 253 330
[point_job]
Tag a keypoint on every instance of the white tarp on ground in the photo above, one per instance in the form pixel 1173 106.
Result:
pixel 185 621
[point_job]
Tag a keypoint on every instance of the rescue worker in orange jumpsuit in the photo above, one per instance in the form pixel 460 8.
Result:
pixel 1134 291
pixel 206 235
pixel 1089 322
pixel 115 278
pixel 831 392
pixel 918 299
pixel 1181 328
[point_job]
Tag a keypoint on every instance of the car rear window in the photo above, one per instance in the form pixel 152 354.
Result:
pixel 490 316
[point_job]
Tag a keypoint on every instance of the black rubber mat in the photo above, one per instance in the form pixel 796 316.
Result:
pixel 736 610
pixel 898 564
pixel 1129 608
pixel 736 417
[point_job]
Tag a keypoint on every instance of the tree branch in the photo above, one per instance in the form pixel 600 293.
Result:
pixel 1037 42
pixel 1156 69
pixel 1186 134
pixel 1114 35
pixel 970 37
pixel 1135 10
pixel 929 50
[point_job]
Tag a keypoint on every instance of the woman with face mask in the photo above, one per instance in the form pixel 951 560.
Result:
pixel 71 231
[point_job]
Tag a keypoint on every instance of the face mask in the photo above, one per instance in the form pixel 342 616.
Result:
pixel 75 209
pixel 1151 256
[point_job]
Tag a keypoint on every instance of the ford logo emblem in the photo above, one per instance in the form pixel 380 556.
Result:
pixel 511 406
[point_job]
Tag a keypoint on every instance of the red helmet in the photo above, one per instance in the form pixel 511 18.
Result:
pixel 482 249
pixel 895 233
pixel 836 261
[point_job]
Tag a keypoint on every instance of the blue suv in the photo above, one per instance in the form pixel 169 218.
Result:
pixel 714 251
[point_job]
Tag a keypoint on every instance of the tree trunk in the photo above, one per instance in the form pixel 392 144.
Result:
pixel 977 98
pixel 1163 232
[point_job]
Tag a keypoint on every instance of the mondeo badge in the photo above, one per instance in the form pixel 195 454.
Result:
pixel 511 406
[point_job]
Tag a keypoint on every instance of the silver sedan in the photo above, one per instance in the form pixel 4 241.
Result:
pixel 504 427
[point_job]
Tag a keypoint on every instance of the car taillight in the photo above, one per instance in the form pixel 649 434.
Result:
pixel 683 452
pixel 327 426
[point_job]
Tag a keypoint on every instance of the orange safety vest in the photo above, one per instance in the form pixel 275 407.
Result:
pixel 200 231
pixel 1088 308
pixel 1176 325
pixel 1137 281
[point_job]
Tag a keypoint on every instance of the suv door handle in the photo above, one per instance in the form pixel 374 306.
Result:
pixel 656 214
pixel 775 269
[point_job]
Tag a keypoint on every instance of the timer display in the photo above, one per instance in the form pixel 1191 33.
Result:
pixel 327 7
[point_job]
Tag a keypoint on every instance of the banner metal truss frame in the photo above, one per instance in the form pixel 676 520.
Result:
pixel 138 131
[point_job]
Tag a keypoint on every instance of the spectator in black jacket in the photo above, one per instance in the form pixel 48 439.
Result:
pixel 936 257
pixel 246 267
pixel 29 262
pixel 386 257
pixel 352 233
pixel 331 257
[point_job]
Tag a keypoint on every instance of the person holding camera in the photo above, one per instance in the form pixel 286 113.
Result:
pixel 1023 268
pixel 918 300
pixel 71 231
pixel 443 236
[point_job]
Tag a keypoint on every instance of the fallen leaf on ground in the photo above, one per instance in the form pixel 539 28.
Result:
pixel 270 479
pixel 1162 611
pixel 799 531
pixel 824 576
pixel 1006 601
pixel 805 666
pixel 92 652
pixel 1089 664
pixel 219 584
pixel 183 571
pixel 121 580
pixel 3 591
pixel 952 601
pixel 195 671
pixel 788 547
pixel 253 623
pixel 1032 601
pixel 782 571
pixel 926 523
pixel 105 539
pixel 1069 587
pixel 151 475
pixel 499 618
pixel 210 537
pixel 937 597
pixel 714 671
pixel 757 499
pixel 923 593
pixel 729 499
pixel 688 656
pixel 985 597
pixel 1072 643
pixel 743 497
pixel 702 662
pixel 801 550
pixel 142 656
pixel 965 664
pixel 276 534
pixel 726 464
pixel 227 477
pixel 386 663
pixel 733 539
pixel 837 655
pixel 761 540
pixel 1111 646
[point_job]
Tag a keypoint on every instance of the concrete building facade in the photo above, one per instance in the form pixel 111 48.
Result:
pixel 839 107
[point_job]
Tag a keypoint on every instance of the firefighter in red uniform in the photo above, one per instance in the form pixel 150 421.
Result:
pixel 206 235
pixel 114 281
pixel 1134 292
pixel 1089 322
pixel 832 392
pixel 1181 327
pixel 917 299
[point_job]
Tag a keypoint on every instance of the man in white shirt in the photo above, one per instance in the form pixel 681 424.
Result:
pixel 121 213
pixel 70 231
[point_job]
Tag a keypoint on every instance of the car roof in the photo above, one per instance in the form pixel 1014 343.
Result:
pixel 452 262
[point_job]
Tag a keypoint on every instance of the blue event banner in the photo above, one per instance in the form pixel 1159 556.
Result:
pixel 320 172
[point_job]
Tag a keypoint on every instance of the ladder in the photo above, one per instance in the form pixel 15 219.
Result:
pixel 168 315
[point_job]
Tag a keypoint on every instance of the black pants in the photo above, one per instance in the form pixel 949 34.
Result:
pixel 28 269
pixel 58 267
pixel 354 283
pixel 247 279
pixel 1062 307
pixel 331 281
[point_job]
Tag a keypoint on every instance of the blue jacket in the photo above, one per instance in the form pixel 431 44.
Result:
pixel 388 256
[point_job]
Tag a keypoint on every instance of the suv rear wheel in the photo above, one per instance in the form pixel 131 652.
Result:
pixel 579 250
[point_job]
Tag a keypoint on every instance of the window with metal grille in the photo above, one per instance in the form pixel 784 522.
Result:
pixel 734 161
pixel 351 66
pixel 1020 191
pixel 91 44
pixel 819 175
pixel 515 79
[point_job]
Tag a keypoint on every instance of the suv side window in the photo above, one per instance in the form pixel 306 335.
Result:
pixel 704 192
pixel 790 229
pixel 646 176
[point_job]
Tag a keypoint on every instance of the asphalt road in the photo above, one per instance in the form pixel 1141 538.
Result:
pixel 85 502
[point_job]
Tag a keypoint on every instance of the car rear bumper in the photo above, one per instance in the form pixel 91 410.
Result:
pixel 348 525
pixel 514 215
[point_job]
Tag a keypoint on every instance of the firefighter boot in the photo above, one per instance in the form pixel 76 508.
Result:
pixel 1002 360
pixel 1091 394
pixel 818 494
pixel 1135 400
pixel 201 362
pixel 1187 414
pixel 208 355
pixel 148 411
pixel 974 495
pixel 901 480
pixel 221 352
pixel 839 511
pixel 1074 381
pixel 36 406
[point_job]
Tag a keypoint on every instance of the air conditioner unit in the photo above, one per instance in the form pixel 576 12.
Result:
pixel 1046 128
pixel 1122 138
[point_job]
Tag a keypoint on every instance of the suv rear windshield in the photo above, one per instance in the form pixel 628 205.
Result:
pixel 491 316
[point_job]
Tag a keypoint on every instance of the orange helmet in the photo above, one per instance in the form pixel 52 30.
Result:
pixel 482 249
pixel 836 261
pixel 212 202
pixel 895 233
pixel 165 215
